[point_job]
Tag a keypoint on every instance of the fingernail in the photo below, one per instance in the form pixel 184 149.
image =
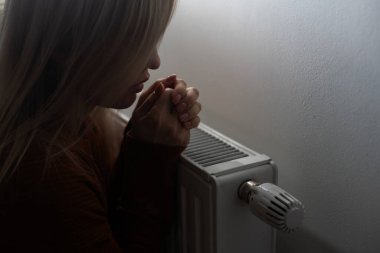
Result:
pixel 184 117
pixel 174 76
pixel 171 79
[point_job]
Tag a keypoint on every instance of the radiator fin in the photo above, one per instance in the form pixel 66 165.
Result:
pixel 207 150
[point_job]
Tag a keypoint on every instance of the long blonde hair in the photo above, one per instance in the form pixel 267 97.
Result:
pixel 57 57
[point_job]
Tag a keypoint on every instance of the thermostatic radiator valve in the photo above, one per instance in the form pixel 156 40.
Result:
pixel 273 205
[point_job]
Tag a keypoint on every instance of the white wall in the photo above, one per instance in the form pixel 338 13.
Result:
pixel 298 80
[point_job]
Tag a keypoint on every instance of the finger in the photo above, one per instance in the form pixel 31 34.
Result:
pixel 191 113
pixel 150 101
pixel 192 94
pixel 169 81
pixel 147 93
pixel 165 103
pixel 179 91
pixel 193 123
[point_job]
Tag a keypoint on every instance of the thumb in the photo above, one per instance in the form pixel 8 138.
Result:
pixel 165 103
pixel 146 94
pixel 170 81
pixel 148 103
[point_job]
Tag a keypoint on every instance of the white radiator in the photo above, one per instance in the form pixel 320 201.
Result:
pixel 221 184
pixel 212 217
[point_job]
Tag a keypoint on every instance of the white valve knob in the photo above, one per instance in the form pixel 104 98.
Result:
pixel 273 205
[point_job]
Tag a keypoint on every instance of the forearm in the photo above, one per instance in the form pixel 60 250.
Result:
pixel 144 207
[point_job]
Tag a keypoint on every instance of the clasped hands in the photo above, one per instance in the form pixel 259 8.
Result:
pixel 166 112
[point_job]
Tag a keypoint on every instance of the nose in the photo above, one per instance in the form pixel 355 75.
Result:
pixel 154 61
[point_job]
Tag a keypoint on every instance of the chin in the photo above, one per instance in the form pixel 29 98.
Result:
pixel 123 103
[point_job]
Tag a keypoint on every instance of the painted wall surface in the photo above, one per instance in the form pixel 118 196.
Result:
pixel 298 80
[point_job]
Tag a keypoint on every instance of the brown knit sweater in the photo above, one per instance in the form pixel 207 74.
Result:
pixel 95 205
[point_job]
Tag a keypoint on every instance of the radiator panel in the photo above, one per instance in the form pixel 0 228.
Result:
pixel 213 218
pixel 238 230
pixel 197 208
pixel 207 150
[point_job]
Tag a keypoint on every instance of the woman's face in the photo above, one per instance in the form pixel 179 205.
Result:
pixel 130 94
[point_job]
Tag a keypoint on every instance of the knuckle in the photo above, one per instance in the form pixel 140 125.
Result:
pixel 195 91
pixel 196 121
pixel 181 81
pixel 188 125
pixel 168 90
pixel 199 107
pixel 192 93
pixel 194 111
pixel 181 86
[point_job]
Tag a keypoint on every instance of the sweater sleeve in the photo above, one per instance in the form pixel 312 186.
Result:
pixel 69 207
pixel 143 193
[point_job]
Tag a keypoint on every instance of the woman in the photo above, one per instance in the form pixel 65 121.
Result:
pixel 73 176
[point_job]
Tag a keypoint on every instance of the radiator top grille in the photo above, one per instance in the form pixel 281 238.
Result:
pixel 208 150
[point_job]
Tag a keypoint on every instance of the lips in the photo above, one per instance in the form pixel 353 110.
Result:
pixel 140 85
pixel 138 88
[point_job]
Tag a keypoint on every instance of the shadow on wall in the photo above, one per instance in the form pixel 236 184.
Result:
pixel 304 241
